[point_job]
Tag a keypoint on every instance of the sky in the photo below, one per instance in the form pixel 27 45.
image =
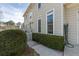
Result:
pixel 12 11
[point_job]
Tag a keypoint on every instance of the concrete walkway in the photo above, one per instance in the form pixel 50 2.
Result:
pixel 43 50
pixel 71 51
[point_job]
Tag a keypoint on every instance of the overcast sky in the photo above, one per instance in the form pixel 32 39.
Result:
pixel 12 11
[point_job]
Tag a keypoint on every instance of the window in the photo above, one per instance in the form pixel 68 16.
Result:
pixel 50 23
pixel 39 5
pixel 39 25
pixel 30 15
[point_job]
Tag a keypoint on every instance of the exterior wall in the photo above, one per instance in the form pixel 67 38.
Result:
pixel 71 20
pixel 41 14
pixel 69 14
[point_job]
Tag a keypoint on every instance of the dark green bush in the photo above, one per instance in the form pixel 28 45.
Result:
pixel 51 41
pixel 12 42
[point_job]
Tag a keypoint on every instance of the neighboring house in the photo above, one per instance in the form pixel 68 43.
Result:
pixel 50 18
pixel 5 26
pixel 2 26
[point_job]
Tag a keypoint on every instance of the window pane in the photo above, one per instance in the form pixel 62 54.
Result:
pixel 50 23
pixel 39 25
pixel 50 18
pixel 39 5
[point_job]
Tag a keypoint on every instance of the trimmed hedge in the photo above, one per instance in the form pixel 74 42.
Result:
pixel 51 41
pixel 12 42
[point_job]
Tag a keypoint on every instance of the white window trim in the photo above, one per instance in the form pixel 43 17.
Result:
pixel 30 15
pixel 77 26
pixel 40 7
pixel 53 21
pixel 37 25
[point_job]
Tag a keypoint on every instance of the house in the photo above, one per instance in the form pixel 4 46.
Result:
pixel 2 26
pixel 50 18
pixel 5 26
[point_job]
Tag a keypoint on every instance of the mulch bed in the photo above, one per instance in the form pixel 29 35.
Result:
pixel 30 52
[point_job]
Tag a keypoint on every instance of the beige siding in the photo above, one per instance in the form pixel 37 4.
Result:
pixel 41 14
pixel 71 20
pixel 68 12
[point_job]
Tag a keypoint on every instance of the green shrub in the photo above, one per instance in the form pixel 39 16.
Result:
pixel 51 41
pixel 12 42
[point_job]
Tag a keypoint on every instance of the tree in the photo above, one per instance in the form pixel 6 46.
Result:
pixel 10 22
pixel 19 23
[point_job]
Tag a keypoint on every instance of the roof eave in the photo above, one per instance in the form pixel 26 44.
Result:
pixel 27 9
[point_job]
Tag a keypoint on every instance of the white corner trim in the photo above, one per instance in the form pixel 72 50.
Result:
pixel 62 20
pixel 37 24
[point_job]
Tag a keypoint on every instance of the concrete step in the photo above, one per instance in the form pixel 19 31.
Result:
pixel 71 51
